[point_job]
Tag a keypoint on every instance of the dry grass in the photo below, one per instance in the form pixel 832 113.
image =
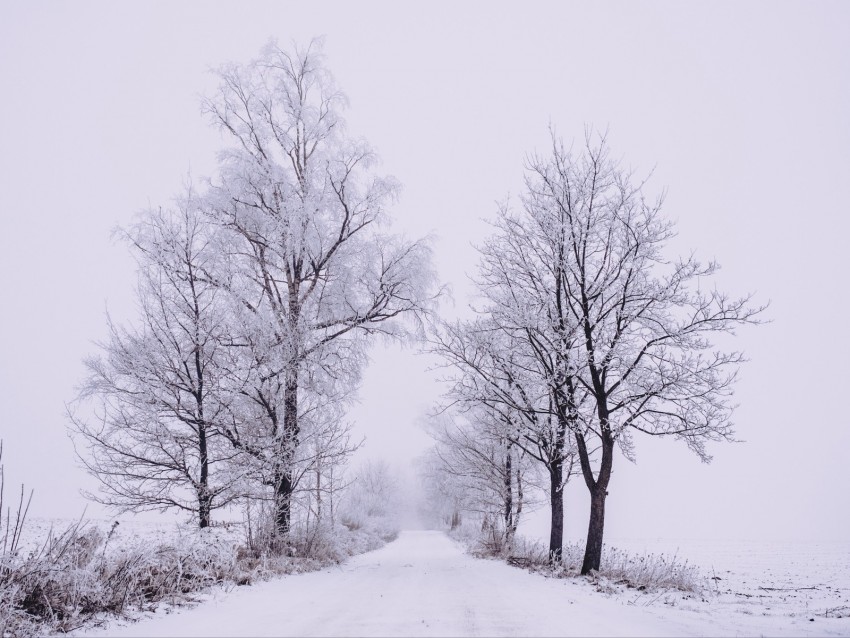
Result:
pixel 619 569
pixel 75 578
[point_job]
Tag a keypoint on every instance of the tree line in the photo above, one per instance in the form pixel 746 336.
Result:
pixel 587 334
pixel 259 293
pixel 257 296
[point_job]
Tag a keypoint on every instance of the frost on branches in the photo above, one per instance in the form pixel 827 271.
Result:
pixel 313 270
pixel 153 441
pixel 612 337
pixel 298 269
pixel 505 396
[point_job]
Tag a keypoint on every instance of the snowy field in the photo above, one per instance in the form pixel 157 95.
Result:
pixel 129 532
pixel 787 584
pixel 423 584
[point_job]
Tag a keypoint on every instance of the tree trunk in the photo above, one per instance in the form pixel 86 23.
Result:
pixel 595 530
pixel 598 493
pixel 204 507
pixel 283 503
pixel 319 494
pixel 509 497
pixel 556 481
pixel 519 499
pixel 510 531
pixel 331 493
pixel 556 502
pixel 204 496
pixel 289 441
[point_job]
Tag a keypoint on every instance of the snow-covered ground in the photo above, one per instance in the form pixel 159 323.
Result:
pixel 423 584
pixel 130 530
pixel 792 580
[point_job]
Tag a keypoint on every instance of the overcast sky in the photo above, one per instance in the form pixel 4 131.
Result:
pixel 741 108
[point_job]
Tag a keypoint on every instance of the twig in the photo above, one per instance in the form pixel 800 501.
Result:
pixel 833 610
pixel 647 604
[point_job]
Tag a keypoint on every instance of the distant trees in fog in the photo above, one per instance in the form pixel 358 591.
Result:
pixel 475 466
pixel 501 392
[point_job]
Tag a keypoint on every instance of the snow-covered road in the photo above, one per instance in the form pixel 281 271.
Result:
pixel 423 584
pixel 420 585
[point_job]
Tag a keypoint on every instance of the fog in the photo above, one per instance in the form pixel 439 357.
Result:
pixel 739 111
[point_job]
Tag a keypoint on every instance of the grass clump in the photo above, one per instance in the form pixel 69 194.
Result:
pixel 619 569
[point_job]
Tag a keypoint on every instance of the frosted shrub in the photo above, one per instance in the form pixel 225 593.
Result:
pixel 311 543
pixel 80 574
pixel 352 520
pixel 643 572
pixel 491 543
pixel 650 571
pixel 333 544
pixel 468 533
pixel 526 553
pixel 70 578
pixel 484 539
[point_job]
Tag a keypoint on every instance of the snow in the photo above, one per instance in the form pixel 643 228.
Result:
pixel 423 584
pixel 767 578
pixel 131 531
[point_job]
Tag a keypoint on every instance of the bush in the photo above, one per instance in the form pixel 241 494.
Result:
pixel 651 571
pixel 71 578
pixel 324 542
pixel 483 539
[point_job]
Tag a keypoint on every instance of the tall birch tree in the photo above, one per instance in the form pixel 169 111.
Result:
pixel 314 268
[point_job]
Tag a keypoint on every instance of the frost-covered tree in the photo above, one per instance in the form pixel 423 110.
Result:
pixel 153 442
pixel 255 428
pixel 628 332
pixel 444 497
pixel 372 492
pixel 479 456
pixel 328 449
pixel 313 267
pixel 494 369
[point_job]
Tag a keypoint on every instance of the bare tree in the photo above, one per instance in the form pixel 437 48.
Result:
pixel 313 268
pixel 330 448
pixel 522 277
pixel 480 455
pixel 636 329
pixel 153 441
pixel 495 369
